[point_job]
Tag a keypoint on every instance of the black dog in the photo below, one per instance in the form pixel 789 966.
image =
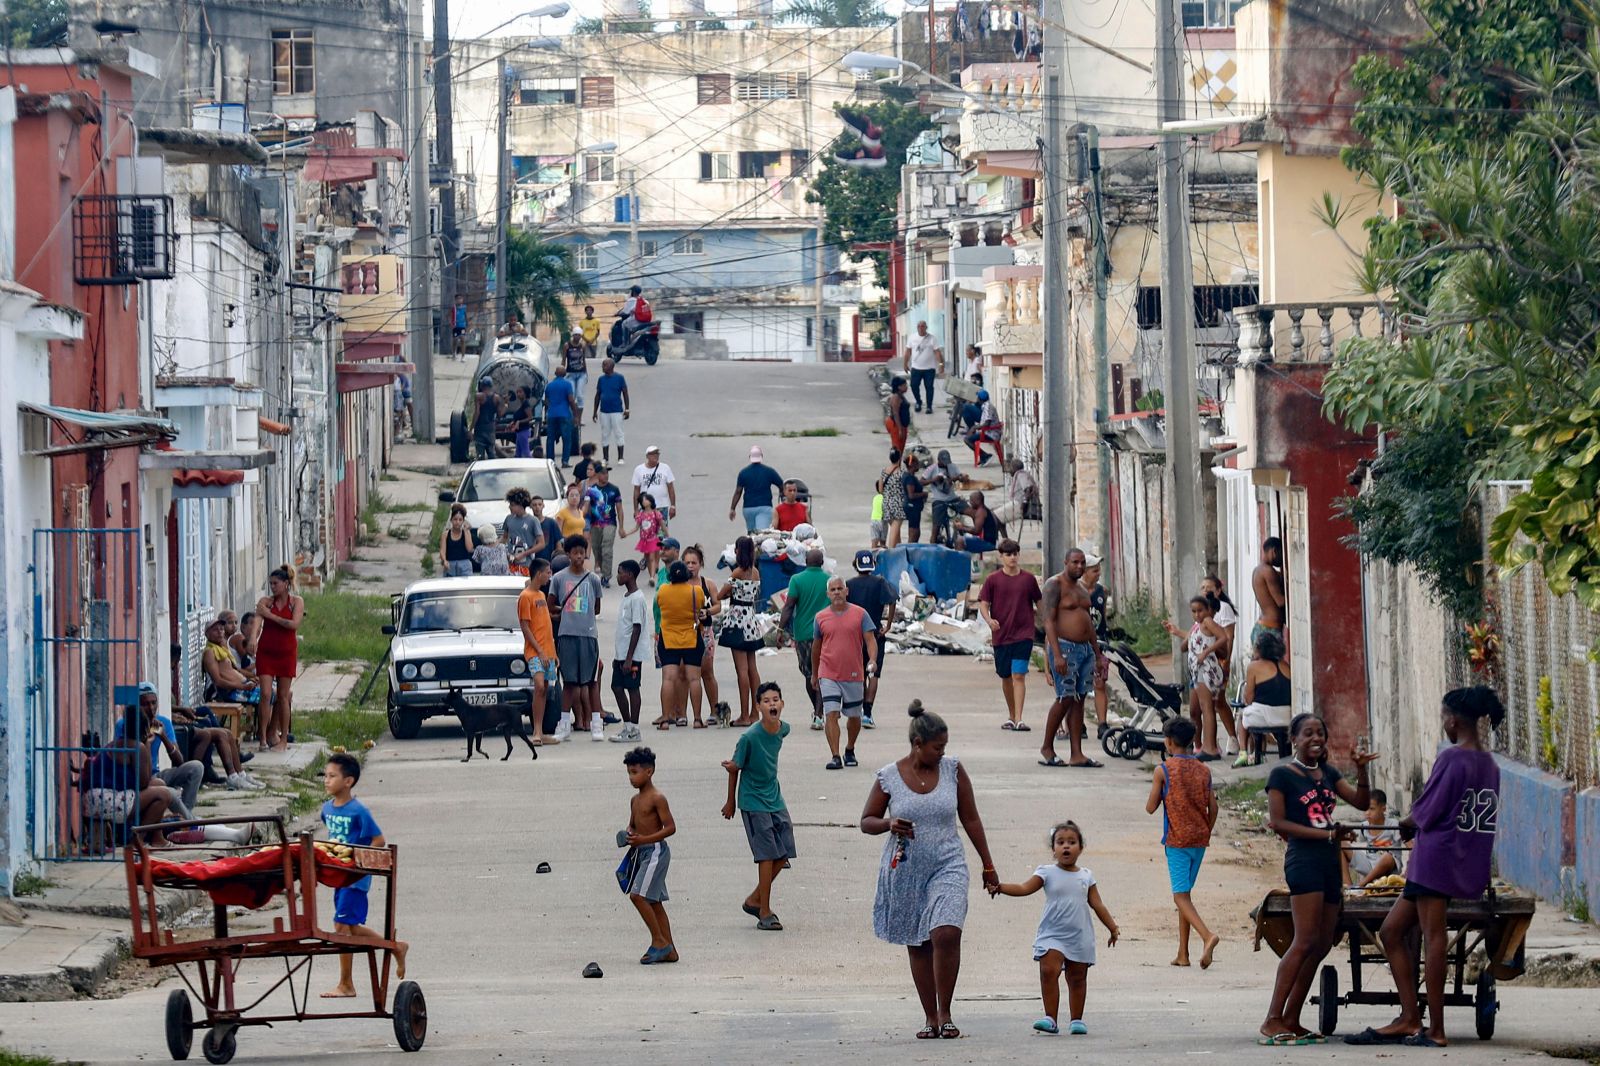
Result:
pixel 478 721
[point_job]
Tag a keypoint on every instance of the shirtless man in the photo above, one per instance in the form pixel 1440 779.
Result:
pixel 1069 643
pixel 1267 582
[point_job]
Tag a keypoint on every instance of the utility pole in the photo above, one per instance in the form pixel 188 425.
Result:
pixel 443 116
pixel 419 326
pixel 502 196
pixel 820 347
pixel 1056 494
pixel 1102 355
pixel 1177 315
pixel 635 260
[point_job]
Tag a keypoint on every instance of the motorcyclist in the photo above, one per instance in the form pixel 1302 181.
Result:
pixel 633 317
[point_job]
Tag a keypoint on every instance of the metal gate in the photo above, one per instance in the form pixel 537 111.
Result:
pixel 87 595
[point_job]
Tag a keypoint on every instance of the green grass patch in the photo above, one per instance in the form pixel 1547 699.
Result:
pixel 378 503
pixel 344 625
pixel 1141 618
pixel 1247 799
pixel 30 882
pixel 17 1058
pixel 430 555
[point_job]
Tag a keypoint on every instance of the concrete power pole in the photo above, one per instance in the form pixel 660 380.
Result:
pixel 449 239
pixel 1177 316
pixel 819 351
pixel 1056 492
pixel 502 196
pixel 419 328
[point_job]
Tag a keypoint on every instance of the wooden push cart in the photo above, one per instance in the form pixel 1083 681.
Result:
pixel 1498 922
pixel 292 868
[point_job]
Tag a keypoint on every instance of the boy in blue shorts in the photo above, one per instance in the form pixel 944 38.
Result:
pixel 349 822
pixel 1182 788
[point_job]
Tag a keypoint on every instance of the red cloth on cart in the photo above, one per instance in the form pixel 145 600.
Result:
pixel 253 879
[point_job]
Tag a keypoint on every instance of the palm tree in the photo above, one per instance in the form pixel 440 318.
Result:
pixel 541 278
pixel 836 13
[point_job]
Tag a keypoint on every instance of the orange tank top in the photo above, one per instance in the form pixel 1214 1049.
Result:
pixel 1185 799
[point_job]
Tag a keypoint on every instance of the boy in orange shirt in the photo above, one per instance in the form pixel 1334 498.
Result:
pixel 538 643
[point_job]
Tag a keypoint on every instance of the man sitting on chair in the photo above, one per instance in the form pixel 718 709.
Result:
pixel 985 429
pixel 1021 491
pixel 225 682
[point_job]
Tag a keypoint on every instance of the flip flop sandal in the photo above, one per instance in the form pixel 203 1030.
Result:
pixel 751 910
pixel 927 1032
pixel 1369 1037
pixel 542 868
pixel 593 970
pixel 770 924
pixel 1420 1040
pixel 663 726
pixel 682 722
pixel 948 1031
pixel 1087 764
pixel 1009 726
pixel 1054 761
pixel 1024 727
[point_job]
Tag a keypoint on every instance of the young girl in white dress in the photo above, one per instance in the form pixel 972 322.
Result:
pixel 1065 941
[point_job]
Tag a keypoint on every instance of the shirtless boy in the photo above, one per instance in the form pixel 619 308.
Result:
pixel 1069 642
pixel 649 825
pixel 1267 582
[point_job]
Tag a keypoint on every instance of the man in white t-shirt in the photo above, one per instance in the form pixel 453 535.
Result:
pixel 628 650
pixel 655 477
pixel 924 360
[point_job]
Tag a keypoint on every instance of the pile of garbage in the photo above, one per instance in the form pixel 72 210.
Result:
pixel 925 625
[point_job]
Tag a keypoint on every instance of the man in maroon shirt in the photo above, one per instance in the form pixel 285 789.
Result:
pixel 1007 602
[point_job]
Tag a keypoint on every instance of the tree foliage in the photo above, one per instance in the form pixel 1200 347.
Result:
pixel 643 24
pixel 836 13
pixel 34 23
pixel 1487 135
pixel 859 206
pixel 541 278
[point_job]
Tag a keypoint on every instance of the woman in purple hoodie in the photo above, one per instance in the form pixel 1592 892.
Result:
pixel 1452 824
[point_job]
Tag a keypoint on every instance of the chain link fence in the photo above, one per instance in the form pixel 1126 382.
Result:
pixel 1545 641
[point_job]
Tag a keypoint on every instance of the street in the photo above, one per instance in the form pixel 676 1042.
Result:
pixel 498 949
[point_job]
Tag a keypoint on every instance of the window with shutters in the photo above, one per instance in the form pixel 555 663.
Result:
pixel 293 68
pixel 716 166
pixel 598 92
pixel 689 246
pixel 648 248
pixel 543 92
pixel 599 168
pixel 768 87
pixel 586 257
pixel 713 88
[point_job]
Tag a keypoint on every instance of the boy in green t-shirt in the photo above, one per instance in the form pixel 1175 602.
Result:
pixel 766 819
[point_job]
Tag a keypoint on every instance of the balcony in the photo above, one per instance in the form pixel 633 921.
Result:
pixel 1004 137
pixel 1277 333
pixel 1012 323
pixel 374 300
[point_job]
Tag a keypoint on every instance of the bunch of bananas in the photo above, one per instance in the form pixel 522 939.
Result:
pixel 333 850
pixel 1389 885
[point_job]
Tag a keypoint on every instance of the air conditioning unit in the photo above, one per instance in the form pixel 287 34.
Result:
pixel 118 240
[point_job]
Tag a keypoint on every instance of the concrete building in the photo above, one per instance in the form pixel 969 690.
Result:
pixel 702 201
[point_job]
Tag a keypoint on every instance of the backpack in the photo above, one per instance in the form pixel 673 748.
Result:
pixel 642 312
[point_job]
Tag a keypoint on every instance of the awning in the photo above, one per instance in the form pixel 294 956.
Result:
pixel 191 484
pixel 353 377
pixel 175 459
pixel 87 431
pixel 337 166
pixel 1024 163
pixel 277 429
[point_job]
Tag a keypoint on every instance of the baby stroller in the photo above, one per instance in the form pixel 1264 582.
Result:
pixel 1158 703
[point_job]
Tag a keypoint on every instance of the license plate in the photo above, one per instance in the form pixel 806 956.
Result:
pixel 481 699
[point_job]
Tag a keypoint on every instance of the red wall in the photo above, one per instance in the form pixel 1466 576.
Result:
pixel 1293 435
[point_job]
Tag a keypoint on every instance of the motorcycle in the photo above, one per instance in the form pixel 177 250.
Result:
pixel 643 341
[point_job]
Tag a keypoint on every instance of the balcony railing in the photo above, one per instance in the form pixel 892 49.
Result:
pixel 1012 322
pixel 1276 333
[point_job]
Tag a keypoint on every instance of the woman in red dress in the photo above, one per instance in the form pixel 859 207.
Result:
pixel 281 612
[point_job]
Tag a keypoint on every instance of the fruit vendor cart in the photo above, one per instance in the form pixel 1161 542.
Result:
pixel 254 877
pixel 1497 922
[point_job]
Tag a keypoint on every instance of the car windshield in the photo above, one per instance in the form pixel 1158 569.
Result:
pixel 482 485
pixel 443 612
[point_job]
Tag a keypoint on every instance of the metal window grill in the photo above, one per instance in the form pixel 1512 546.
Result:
pixel 1545 636
pixel 118 240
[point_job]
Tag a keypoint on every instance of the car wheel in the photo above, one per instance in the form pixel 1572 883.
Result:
pixel 458 437
pixel 404 722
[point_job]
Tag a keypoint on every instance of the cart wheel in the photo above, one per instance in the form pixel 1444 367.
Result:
pixel 410 1016
pixel 1130 744
pixel 1485 1005
pixel 220 1044
pixel 1108 741
pixel 180 1024
pixel 1328 1002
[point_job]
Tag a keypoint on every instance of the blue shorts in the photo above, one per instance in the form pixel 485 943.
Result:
pixel 757 518
pixel 548 667
pixel 1078 681
pixel 1012 660
pixel 350 906
pixel 1183 868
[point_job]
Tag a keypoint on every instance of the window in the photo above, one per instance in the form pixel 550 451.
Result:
pixel 599 92
pixel 758 164
pixel 586 257
pixel 689 322
pixel 1211 302
pixel 599 168
pixel 768 87
pixel 293 71
pixel 542 169
pixel 538 92
pixel 689 246
pixel 1210 14
pixel 799 158
pixel 713 88
pixel 716 166
pixel 649 248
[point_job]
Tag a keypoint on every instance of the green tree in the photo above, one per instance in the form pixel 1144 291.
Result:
pixel 541 278
pixel 836 13
pixel 643 24
pixel 34 23
pixel 1487 136
pixel 859 205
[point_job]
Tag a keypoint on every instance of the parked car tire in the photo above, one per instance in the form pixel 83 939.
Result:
pixel 459 441
pixel 404 722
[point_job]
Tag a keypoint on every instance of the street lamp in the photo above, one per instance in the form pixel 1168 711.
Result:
pixel 548 10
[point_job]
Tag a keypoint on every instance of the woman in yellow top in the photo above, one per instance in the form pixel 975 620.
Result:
pixel 679 643
pixel 571 514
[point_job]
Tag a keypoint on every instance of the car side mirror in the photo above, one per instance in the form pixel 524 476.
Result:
pixel 389 630
pixel 447 497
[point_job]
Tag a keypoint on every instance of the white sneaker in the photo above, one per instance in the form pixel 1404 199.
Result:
pixel 597 729
pixel 236 782
pixel 564 728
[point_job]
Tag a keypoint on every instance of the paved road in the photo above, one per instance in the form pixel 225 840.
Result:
pixel 498 949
